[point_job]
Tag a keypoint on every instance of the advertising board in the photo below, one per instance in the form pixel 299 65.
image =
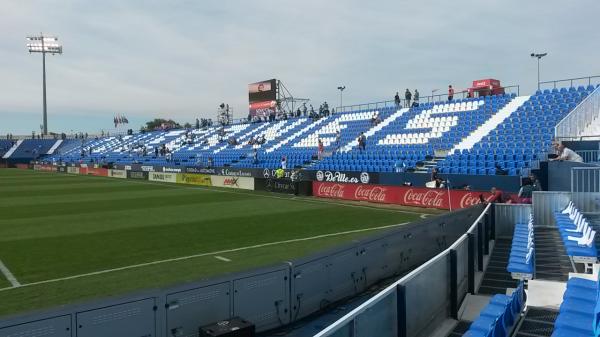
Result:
pixel 194 179
pixel 245 183
pixel 120 174
pixel 401 195
pixel 163 177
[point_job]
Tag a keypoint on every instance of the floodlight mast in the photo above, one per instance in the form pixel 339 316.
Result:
pixel 44 44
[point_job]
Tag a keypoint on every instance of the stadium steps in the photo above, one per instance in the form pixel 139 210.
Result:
pixel 13 149
pixel 429 164
pixel 55 146
pixel 496 278
pixel 551 260
pixel 491 124
pixel 537 322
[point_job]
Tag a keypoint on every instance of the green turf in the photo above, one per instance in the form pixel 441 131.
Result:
pixel 54 226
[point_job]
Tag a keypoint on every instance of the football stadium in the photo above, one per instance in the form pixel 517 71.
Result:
pixel 247 205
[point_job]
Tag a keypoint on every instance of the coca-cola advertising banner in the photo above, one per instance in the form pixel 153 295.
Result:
pixel 400 195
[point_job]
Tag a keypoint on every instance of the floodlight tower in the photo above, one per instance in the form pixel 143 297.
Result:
pixel 341 89
pixel 539 57
pixel 44 44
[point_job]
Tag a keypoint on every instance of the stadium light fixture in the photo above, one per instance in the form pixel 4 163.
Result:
pixel 44 44
pixel 341 89
pixel 539 57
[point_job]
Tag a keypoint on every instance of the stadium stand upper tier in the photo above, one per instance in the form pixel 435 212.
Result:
pixel 464 136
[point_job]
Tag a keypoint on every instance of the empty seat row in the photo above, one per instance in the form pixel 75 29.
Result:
pixel 577 235
pixel 521 263
pixel 580 309
pixel 500 316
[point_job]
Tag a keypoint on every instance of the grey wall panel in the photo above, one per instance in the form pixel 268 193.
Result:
pixel 587 201
pixel 263 299
pixel 427 297
pixel 507 215
pixel 345 274
pixel 380 320
pixel 134 319
pixel 309 292
pixel 188 310
pixel 376 261
pixel 51 327
pixel 462 273
pixel 545 204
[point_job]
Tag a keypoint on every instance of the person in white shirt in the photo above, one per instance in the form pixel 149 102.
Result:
pixel 564 153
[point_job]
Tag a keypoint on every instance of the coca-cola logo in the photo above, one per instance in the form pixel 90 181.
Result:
pixel 331 191
pixel 430 198
pixel 371 193
pixel 469 200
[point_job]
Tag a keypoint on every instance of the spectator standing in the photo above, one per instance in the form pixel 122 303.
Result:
pixel 337 140
pixel 435 177
pixel 255 157
pixel 283 162
pixel 535 182
pixel 498 196
pixel 321 149
pixel 416 98
pixel 450 92
pixel 564 153
pixel 526 191
pixel 407 97
pixel 362 142
pixel 397 100
pixel 304 110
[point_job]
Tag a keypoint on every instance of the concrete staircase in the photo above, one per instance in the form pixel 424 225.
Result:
pixel 54 147
pixel 489 125
pixel 13 149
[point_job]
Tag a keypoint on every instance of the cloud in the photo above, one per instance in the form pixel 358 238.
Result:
pixel 181 59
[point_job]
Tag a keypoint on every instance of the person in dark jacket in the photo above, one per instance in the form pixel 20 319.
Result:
pixel 407 97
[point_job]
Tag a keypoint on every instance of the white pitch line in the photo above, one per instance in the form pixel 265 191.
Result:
pixel 182 258
pixel 224 259
pixel 9 276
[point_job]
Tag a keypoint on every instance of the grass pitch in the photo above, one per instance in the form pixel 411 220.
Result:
pixel 68 238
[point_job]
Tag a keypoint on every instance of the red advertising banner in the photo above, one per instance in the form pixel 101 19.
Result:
pixel 22 166
pixel 262 109
pixel 400 195
pixel 47 168
pixel 102 172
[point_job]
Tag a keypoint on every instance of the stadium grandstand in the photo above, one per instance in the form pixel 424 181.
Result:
pixel 473 211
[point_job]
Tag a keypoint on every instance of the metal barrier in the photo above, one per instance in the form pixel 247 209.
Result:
pixel 507 215
pixel 585 188
pixel 588 80
pixel 545 203
pixel 589 156
pixel 415 304
pixel 439 98
pixel 577 121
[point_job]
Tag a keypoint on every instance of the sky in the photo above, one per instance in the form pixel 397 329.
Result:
pixel 181 59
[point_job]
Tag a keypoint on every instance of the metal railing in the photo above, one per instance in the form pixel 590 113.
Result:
pixel 584 114
pixel 397 310
pixel 441 98
pixel 585 188
pixel 585 81
pixel 589 156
